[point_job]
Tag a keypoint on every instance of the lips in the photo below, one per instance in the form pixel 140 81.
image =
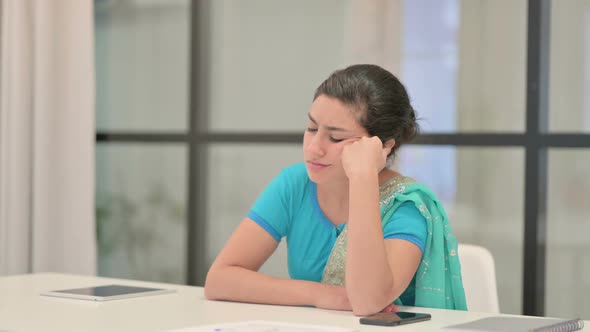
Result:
pixel 315 165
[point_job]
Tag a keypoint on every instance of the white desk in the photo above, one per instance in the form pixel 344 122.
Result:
pixel 23 309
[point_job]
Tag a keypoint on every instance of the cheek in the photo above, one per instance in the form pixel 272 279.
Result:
pixel 306 138
pixel 337 152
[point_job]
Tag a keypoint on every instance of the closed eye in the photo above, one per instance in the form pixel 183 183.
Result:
pixel 335 140
pixel 312 130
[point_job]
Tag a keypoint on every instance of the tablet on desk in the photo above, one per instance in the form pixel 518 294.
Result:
pixel 107 292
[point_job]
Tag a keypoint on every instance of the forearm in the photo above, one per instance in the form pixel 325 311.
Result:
pixel 369 279
pixel 234 283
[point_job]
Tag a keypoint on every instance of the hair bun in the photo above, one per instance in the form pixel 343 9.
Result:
pixel 410 130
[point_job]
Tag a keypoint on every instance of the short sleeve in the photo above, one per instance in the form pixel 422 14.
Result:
pixel 272 208
pixel 407 223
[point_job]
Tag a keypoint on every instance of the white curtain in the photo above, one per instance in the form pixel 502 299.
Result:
pixel 47 93
pixel 373 33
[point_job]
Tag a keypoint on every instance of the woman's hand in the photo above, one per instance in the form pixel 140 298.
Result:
pixel 332 297
pixel 390 308
pixel 364 156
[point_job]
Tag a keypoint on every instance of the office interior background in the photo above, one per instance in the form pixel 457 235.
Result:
pixel 199 104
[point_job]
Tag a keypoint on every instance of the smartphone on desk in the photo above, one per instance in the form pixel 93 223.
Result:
pixel 394 318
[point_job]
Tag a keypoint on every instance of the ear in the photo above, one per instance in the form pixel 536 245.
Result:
pixel 389 145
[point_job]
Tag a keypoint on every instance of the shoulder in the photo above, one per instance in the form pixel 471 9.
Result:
pixel 286 188
pixel 409 214
pixel 291 179
pixel 395 185
pixel 295 174
pixel 400 189
pixel 295 170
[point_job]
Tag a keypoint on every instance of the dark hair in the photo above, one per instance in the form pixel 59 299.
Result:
pixel 379 99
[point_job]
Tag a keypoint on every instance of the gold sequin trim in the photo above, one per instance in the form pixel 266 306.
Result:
pixel 392 187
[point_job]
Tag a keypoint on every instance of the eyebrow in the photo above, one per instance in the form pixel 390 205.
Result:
pixel 327 127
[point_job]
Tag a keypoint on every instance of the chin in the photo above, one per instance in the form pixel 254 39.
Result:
pixel 317 177
pixel 314 177
pixel 322 178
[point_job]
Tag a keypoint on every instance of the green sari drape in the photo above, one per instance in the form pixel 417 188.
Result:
pixel 437 282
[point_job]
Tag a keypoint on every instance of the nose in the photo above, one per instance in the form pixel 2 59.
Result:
pixel 315 147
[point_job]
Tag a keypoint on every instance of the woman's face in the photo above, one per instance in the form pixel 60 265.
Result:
pixel 331 126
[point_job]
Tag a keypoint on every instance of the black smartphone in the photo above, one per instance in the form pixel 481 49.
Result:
pixel 394 318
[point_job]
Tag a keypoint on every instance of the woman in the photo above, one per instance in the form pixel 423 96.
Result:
pixel 360 236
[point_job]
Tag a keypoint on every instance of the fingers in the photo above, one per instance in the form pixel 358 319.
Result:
pixel 390 308
pixel 352 140
pixel 363 138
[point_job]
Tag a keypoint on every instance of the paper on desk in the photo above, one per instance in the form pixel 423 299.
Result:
pixel 262 326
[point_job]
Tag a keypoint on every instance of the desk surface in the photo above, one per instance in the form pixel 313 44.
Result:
pixel 23 309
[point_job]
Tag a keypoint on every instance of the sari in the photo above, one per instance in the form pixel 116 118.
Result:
pixel 437 282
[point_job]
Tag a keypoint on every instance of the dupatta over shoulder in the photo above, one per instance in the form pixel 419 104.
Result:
pixel 437 282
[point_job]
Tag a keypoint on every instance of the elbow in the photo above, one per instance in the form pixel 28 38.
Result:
pixel 362 312
pixel 365 304
pixel 211 286
pixel 366 309
pixel 210 293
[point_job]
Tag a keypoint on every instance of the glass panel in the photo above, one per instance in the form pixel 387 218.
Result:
pixel 237 175
pixel 482 191
pixel 491 75
pixel 264 79
pixel 462 61
pixel 141 211
pixel 569 101
pixel 568 248
pixel 142 65
pixel 430 56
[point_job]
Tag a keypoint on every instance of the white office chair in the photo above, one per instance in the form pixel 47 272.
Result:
pixel 479 278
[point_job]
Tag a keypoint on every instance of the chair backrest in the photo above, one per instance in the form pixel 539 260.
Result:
pixel 479 278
